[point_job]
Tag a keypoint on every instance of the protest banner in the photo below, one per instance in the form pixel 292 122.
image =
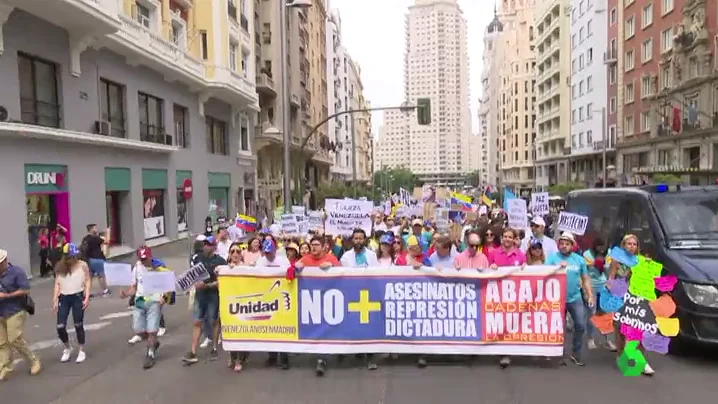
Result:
pixel 573 223
pixel 345 215
pixel 539 203
pixel 289 224
pixel 442 220
pixel 316 220
pixel 518 216
pixel 193 275
pixel 509 311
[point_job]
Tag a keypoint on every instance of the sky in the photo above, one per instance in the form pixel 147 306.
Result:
pixel 373 34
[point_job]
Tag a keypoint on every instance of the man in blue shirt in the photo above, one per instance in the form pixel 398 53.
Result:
pixel 443 256
pixel 14 288
pixel 577 278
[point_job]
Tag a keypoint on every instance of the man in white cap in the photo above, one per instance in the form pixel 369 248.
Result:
pixel 538 226
pixel 14 290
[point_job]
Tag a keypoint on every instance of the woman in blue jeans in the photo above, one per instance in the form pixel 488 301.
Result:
pixel 71 295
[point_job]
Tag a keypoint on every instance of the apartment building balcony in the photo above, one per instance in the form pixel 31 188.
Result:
pixel 233 87
pixel 266 134
pixel 265 85
pixel 295 101
pixel 323 157
pixel 81 17
pixel 145 45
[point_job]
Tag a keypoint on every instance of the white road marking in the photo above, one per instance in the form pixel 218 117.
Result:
pixel 55 343
pixel 120 314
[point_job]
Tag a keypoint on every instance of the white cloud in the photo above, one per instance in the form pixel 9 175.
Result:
pixel 373 33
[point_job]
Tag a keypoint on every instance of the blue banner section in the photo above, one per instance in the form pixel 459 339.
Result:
pixel 387 308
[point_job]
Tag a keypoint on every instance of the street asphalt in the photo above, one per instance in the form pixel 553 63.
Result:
pixel 113 371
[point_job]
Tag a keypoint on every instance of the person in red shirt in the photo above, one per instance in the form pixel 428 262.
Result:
pixel 317 257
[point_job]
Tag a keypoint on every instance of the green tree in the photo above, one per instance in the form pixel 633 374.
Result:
pixel 341 190
pixel 565 188
pixel 669 179
pixel 474 178
pixel 391 179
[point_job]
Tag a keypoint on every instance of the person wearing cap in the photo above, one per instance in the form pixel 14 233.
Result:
pixel 472 257
pixel 71 294
pixel 577 280
pixel 359 255
pixel 14 289
pixel 414 255
pixel 538 227
pixel 385 253
pixel 206 301
pixel 269 257
pixel 535 254
pixel 147 311
pixel 417 230
pixel 292 250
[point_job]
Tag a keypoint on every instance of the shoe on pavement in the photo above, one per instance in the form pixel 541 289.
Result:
pixel 81 356
pixel 161 332
pixel 205 343
pixel 591 344
pixel 5 374
pixel 36 367
pixel 149 361
pixel 577 360
pixel 321 367
pixel 135 339
pixel 214 355
pixel 421 363
pixel 648 370
pixel 505 362
pixel 190 357
pixel 66 355
pixel 611 346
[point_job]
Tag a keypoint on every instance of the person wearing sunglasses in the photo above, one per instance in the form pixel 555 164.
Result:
pixel 385 252
pixel 538 226
pixel 535 254
pixel 236 358
pixel 472 257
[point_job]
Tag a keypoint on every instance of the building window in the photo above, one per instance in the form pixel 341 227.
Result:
pixel 589 110
pixel 143 15
pixel 589 137
pixel 245 64
pixel 645 86
pixel 630 62
pixel 589 55
pixel 614 16
pixel 645 121
pixel 589 29
pixel 666 40
pixel 629 96
pixel 666 6
pixel 217 142
pixel 589 84
pixel 630 28
pixel 628 126
pixel 664 157
pixel 647 16
pixel 233 55
pixel 243 134
pixel 647 50
pixel 203 44
pixel 152 119
pixel 112 106
pixel 39 101
pixel 665 77
pixel 612 105
pixel 181 117
pixel 612 72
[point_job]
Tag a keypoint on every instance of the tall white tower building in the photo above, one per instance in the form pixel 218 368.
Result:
pixel 492 59
pixel 338 98
pixel 436 66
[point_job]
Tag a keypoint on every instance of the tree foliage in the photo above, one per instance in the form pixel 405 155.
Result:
pixel 474 178
pixel 341 190
pixel 565 188
pixel 391 179
pixel 669 179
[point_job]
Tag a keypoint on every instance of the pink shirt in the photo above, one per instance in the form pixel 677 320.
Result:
pixel 466 261
pixel 503 258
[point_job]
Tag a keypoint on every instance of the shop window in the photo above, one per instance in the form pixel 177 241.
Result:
pixel 218 203
pixel 182 211
pixel 153 208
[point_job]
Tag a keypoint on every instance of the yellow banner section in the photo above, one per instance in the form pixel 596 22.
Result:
pixel 255 308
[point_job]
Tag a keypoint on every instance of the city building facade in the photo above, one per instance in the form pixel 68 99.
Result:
pixel 554 91
pixel 516 98
pixel 133 115
pixel 589 89
pixel 309 164
pixel 670 84
pixel 436 66
pixel 393 146
pixel 359 126
pixel 614 77
pixel 489 111
pixel 338 98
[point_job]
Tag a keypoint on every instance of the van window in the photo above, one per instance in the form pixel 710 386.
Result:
pixel 691 215
pixel 638 223
pixel 603 217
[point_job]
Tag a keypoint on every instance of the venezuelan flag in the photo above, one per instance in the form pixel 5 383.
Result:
pixel 246 223
pixel 486 200
pixel 460 202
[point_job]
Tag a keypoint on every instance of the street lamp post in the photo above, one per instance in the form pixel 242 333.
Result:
pixel 286 124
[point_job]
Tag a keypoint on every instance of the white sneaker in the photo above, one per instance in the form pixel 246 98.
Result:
pixel 80 357
pixel 66 355
pixel 648 370
pixel 205 343
pixel 611 346
pixel 219 341
pixel 161 332
pixel 591 344
pixel 135 339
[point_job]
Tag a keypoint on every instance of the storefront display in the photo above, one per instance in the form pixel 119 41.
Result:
pixel 184 194
pixel 219 185
pixel 154 213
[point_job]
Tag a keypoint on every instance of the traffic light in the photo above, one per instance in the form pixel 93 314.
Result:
pixel 423 111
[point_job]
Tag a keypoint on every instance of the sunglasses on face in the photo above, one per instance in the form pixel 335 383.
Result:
pixel 489 234
pixel 473 246
pixel 234 251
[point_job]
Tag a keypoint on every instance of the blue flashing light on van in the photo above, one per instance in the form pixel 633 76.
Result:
pixel 677 226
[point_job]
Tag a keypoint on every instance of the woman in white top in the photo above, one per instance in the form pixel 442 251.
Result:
pixel 71 294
